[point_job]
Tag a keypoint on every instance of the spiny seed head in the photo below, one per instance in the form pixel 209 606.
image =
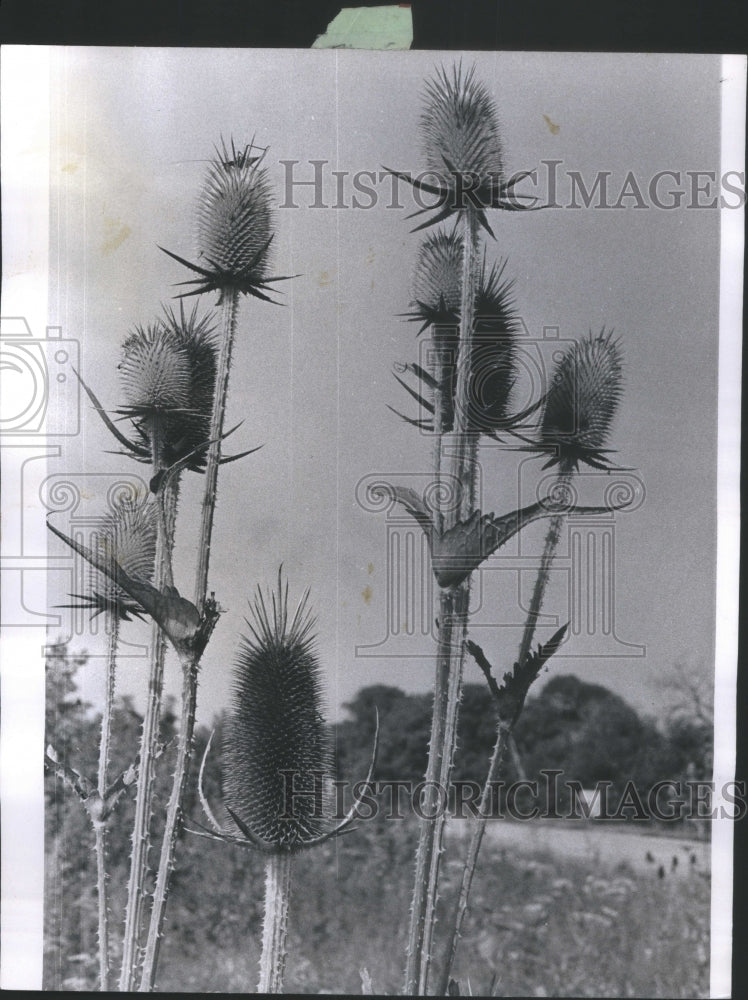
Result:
pixel 126 534
pixel 581 403
pixel 234 220
pixel 275 726
pixel 169 371
pixel 436 279
pixel 493 357
pixel 191 428
pixel 459 123
pixel 154 370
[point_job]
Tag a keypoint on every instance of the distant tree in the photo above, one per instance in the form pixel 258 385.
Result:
pixel 404 727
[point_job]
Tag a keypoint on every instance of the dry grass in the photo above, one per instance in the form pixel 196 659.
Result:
pixel 535 928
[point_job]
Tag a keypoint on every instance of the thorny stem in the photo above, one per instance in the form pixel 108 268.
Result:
pixel 541 581
pixel 100 825
pixel 173 819
pixel 503 738
pixel 275 922
pixel 148 749
pixel 504 742
pixel 229 311
pixel 450 646
pixel 230 302
pixel 442 378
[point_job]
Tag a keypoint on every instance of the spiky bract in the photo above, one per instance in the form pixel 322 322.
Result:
pixel 168 375
pixel 581 403
pixel 127 534
pixel 276 740
pixel 460 127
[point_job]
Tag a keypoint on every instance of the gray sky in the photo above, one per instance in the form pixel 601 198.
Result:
pixel 130 132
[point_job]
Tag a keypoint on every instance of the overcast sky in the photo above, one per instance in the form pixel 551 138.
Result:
pixel 131 130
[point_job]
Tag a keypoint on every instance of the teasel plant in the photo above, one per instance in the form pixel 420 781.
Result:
pixel 167 372
pixel 277 760
pixel 463 151
pixel 234 236
pixel 464 397
pixel 128 533
pixel 578 410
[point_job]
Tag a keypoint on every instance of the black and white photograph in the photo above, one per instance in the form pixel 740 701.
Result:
pixel 370 448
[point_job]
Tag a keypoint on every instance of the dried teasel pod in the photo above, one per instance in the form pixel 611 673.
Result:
pixel 154 372
pixel 463 149
pixel 191 428
pixel 168 374
pixel 436 304
pixel 459 125
pixel 493 354
pixel 436 281
pixel 275 739
pixel 234 227
pixel 581 403
pixel 127 534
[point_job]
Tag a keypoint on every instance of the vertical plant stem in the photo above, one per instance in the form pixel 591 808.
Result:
pixel 450 648
pixel 173 819
pixel 541 581
pixel 131 947
pixel 100 832
pixel 424 853
pixel 229 311
pixel 230 303
pixel 449 741
pixel 275 922
pixel 442 377
pixel 484 811
pixel 504 741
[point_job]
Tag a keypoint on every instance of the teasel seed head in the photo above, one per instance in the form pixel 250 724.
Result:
pixel 493 356
pixel 168 374
pixel 154 371
pixel 191 428
pixel 436 280
pixel 127 534
pixel 460 127
pixel 234 227
pixel 581 403
pixel 275 732
pixel 436 288
pixel 234 219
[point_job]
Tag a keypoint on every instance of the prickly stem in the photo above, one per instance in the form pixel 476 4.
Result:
pixel 100 833
pixel 275 922
pixel 131 948
pixel 229 312
pixel 471 860
pixel 230 305
pixel 173 822
pixel 453 618
pixel 541 581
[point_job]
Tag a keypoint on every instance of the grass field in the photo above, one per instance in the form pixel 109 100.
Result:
pixel 538 926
